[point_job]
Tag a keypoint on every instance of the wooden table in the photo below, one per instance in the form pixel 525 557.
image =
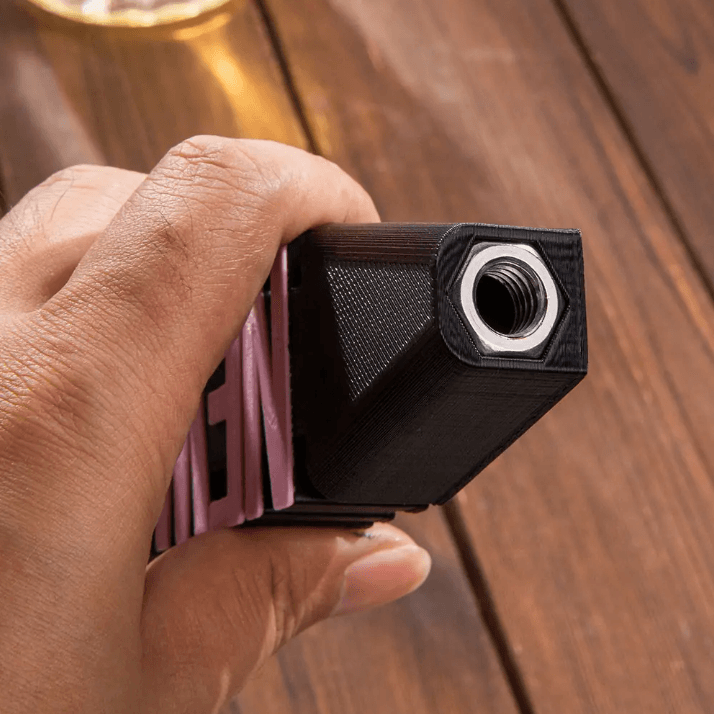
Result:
pixel 576 574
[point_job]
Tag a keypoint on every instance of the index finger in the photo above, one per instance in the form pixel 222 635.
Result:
pixel 153 305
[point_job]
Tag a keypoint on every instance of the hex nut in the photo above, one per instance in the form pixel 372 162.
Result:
pixel 526 284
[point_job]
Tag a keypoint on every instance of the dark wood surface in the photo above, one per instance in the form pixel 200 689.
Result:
pixel 656 60
pixel 587 569
pixel 595 531
pixel 124 98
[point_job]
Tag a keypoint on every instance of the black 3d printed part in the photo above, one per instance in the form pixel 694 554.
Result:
pixel 394 400
pixel 418 353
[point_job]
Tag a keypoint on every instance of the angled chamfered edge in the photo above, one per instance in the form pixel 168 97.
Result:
pixel 399 395
pixel 417 354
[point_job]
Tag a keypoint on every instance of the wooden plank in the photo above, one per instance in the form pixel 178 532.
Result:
pixel 39 131
pixel 595 530
pixel 124 97
pixel 132 96
pixel 656 59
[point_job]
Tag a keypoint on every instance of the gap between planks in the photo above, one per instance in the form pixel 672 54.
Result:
pixel 618 111
pixel 290 85
pixel 454 519
pixel 486 605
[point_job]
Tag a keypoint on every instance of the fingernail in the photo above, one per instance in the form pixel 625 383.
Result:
pixel 383 576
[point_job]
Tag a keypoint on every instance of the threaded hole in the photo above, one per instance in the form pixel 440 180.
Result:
pixel 509 297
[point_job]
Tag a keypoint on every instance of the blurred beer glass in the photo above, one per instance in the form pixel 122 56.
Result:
pixel 129 13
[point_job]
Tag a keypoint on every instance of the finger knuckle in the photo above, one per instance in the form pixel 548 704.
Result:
pixel 156 277
pixel 29 218
pixel 26 219
pixel 232 166
pixel 66 175
pixel 71 174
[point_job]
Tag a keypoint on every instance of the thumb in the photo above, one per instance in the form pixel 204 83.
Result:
pixel 220 604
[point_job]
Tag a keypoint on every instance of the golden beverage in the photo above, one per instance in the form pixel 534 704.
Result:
pixel 128 13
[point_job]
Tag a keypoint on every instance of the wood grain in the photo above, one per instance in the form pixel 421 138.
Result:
pixel 656 57
pixel 124 98
pixel 595 530
pixel 39 131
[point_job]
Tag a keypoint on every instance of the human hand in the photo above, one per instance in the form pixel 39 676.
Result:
pixel 119 294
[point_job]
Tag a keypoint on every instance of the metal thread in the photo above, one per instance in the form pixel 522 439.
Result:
pixel 510 297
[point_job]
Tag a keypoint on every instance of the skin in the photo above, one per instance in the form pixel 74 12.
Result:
pixel 119 293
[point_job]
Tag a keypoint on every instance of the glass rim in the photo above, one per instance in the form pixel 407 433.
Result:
pixel 174 12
